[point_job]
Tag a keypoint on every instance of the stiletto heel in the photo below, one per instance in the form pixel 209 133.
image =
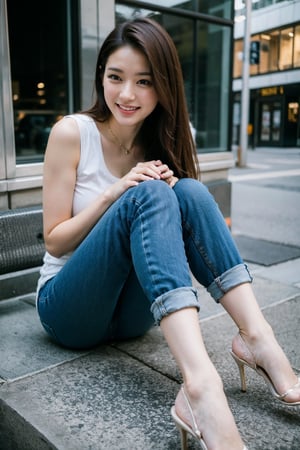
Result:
pixel 248 359
pixel 241 366
pixel 184 428
pixel 183 436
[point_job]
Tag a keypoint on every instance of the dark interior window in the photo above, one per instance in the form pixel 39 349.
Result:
pixel 39 71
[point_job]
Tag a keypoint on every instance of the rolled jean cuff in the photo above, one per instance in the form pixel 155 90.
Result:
pixel 233 277
pixel 174 300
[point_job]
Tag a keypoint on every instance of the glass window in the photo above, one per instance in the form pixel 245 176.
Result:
pixel 270 132
pixel 293 112
pixel 238 58
pixel 297 46
pixel 254 68
pixel 39 72
pixel 257 4
pixel 191 5
pixel 279 50
pixel 217 8
pixel 212 84
pixel 274 51
pixel 265 64
pixel 276 121
pixel 265 131
pixel 286 49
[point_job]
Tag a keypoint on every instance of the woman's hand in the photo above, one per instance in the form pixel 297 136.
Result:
pixel 143 171
pixel 167 175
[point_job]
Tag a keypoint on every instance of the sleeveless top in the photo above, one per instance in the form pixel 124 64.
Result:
pixel 93 177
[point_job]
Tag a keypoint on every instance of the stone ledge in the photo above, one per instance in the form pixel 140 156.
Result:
pixel 118 396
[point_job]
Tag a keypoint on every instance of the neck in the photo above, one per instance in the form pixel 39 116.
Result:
pixel 125 144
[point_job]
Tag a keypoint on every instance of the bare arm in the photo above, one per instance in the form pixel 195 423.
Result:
pixel 62 232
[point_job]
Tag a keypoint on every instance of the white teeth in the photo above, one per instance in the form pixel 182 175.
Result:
pixel 128 108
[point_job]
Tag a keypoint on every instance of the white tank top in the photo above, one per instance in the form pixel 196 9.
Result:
pixel 93 177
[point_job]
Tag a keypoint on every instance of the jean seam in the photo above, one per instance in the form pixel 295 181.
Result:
pixel 200 249
pixel 147 249
pixel 139 213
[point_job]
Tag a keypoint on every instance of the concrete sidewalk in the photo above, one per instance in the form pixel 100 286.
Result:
pixel 119 396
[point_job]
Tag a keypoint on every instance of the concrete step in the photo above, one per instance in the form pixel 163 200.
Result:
pixel 118 396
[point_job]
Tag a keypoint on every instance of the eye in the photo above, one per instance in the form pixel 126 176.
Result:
pixel 113 77
pixel 145 82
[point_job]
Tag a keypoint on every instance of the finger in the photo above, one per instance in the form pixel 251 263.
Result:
pixel 168 174
pixel 141 177
pixel 151 171
pixel 164 168
pixel 173 182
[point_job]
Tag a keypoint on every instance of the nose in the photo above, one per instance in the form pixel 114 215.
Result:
pixel 127 92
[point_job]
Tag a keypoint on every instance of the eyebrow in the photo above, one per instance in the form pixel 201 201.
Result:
pixel 116 69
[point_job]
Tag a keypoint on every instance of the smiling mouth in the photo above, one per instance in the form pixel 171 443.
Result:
pixel 128 108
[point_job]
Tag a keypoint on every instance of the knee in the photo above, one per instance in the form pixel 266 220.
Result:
pixel 154 186
pixel 155 190
pixel 192 191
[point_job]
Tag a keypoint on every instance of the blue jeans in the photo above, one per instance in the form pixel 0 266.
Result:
pixel 133 268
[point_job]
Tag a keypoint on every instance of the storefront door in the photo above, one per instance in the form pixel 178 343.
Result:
pixel 270 129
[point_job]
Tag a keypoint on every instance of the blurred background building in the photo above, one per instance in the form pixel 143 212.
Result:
pixel 274 84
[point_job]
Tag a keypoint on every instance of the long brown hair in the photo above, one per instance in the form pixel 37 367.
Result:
pixel 165 133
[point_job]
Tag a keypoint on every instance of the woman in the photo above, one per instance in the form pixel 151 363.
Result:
pixel 125 220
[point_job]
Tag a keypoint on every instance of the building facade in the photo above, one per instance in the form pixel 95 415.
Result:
pixel 48 55
pixel 274 83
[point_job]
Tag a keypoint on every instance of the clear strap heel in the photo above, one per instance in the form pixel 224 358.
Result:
pixel 248 360
pixel 184 428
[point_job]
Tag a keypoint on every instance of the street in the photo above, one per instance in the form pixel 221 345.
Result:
pixel 266 196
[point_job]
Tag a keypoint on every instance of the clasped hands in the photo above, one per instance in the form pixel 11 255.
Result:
pixel 143 171
pixel 155 170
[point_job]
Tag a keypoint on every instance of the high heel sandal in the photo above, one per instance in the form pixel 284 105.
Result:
pixel 249 361
pixel 184 428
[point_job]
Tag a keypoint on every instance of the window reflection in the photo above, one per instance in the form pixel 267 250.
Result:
pixel 274 51
pixel 219 8
pixel 270 122
pixel 279 50
pixel 254 67
pixel 212 83
pixel 38 71
pixel 286 48
pixel 32 129
pixel 297 46
pixel 293 112
pixel 264 65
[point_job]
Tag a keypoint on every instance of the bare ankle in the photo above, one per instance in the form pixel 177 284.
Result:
pixel 257 333
pixel 195 387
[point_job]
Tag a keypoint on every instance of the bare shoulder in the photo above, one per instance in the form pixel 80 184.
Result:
pixel 66 130
pixel 63 144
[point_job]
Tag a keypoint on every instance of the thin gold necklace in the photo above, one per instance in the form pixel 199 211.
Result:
pixel 125 149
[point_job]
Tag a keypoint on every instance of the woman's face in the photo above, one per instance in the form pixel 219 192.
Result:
pixel 128 88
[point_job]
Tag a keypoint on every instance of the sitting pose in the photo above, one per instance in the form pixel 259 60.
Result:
pixel 126 222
